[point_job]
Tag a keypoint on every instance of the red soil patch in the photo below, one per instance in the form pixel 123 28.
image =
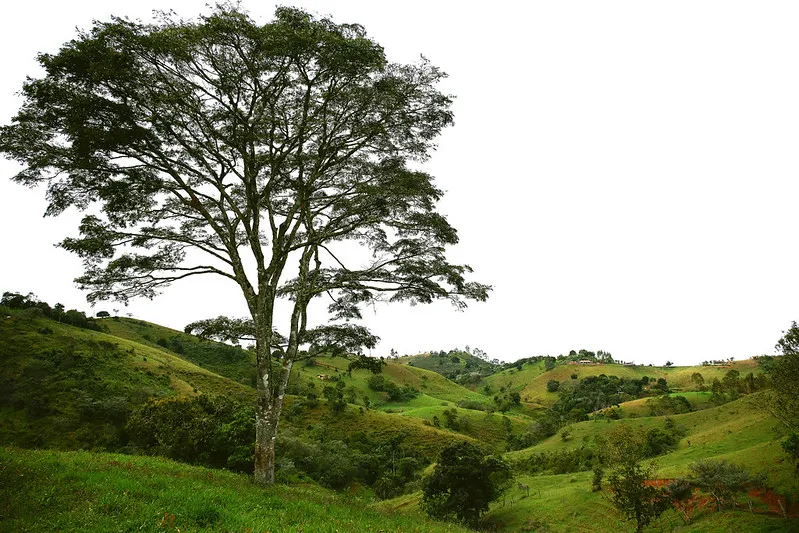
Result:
pixel 773 500
pixel 766 496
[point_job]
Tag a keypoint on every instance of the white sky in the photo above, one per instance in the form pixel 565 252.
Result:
pixel 623 173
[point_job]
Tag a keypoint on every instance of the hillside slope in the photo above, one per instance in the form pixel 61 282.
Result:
pixel 44 491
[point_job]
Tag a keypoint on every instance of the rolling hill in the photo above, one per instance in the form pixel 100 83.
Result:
pixel 67 388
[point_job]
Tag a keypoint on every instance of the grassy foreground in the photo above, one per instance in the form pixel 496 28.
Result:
pixel 82 491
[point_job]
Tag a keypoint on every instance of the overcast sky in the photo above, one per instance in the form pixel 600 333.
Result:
pixel 623 173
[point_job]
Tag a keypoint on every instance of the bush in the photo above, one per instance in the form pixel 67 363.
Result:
pixel 207 430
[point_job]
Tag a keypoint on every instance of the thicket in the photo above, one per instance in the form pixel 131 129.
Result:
pixel 732 386
pixel 388 464
pixel 209 430
pixel 394 392
pixel 218 432
pixel 579 398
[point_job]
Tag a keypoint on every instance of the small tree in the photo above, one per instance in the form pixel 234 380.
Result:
pixel 720 479
pixel 596 481
pixel 463 483
pixel 629 491
pixel 633 497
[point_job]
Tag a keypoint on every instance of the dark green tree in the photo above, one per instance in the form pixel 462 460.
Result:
pixel 463 483
pixel 251 152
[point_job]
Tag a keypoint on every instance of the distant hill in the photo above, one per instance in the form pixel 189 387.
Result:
pixel 457 365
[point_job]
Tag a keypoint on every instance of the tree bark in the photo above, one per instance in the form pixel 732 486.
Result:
pixel 271 389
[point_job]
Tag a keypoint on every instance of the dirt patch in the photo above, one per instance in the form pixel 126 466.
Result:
pixel 773 502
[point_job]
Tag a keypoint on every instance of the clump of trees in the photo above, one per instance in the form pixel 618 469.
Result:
pixel 73 317
pixel 463 483
pixel 579 398
pixel 394 392
pixel 668 405
pixel 733 385
pixel 462 366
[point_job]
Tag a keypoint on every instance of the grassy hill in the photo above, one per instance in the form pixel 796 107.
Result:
pixel 70 388
pixel 739 432
pixel 229 361
pixel 531 381
pixel 66 387
pixel 455 364
pixel 44 491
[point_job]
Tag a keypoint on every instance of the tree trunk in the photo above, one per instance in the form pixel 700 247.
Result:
pixel 265 436
pixel 271 389
pixel 267 412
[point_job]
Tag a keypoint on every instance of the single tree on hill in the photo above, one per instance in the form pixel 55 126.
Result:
pixel 251 152
pixel 463 483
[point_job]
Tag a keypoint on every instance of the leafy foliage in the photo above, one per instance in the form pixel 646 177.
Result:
pixel 209 430
pixel 634 497
pixel 463 483
pixel 784 404
pixel 73 317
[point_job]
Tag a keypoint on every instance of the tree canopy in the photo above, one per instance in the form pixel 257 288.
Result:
pixel 252 152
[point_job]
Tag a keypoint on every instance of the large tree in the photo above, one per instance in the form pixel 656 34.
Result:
pixel 252 152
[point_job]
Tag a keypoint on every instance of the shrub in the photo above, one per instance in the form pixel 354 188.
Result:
pixel 207 430
pixel 721 479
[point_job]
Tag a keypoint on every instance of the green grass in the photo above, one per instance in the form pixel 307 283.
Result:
pixel 44 491
pixel 566 503
pixel 228 361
